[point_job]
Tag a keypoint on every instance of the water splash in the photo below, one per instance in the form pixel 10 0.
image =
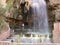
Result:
pixel 40 20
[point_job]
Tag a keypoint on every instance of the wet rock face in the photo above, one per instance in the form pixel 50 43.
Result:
pixel 53 11
pixel 20 7
pixel 20 12
pixel 56 5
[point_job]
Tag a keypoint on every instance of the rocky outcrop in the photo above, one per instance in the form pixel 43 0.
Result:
pixel 53 11
pixel 54 6
pixel 20 12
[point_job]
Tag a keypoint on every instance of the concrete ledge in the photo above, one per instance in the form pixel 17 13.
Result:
pixel 9 43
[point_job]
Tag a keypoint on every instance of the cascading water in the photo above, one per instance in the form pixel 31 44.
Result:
pixel 40 20
pixel 40 26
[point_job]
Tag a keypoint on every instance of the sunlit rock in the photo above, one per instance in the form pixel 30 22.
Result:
pixel 3 3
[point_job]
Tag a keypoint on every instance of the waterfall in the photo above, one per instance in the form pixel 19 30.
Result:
pixel 40 20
